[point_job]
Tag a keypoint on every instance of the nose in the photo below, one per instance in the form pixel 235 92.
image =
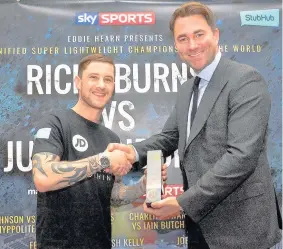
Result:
pixel 192 44
pixel 101 83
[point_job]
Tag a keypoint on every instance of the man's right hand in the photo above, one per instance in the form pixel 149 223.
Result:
pixel 127 149
pixel 119 164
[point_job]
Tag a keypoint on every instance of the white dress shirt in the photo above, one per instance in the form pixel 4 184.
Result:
pixel 205 76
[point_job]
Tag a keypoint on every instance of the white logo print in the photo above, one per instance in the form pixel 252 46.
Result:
pixel 80 143
pixel 43 133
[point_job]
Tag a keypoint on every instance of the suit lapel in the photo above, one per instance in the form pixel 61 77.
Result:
pixel 185 99
pixel 212 91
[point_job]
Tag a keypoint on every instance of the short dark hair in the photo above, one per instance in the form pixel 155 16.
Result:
pixel 93 58
pixel 190 9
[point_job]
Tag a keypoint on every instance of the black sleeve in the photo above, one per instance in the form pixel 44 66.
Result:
pixel 49 137
pixel 166 141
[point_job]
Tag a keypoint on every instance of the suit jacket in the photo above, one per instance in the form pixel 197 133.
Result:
pixel 231 194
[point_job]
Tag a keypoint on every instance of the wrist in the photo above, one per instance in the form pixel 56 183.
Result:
pixel 134 153
pixel 104 160
pixel 182 212
pixel 93 166
pixel 144 180
pixel 142 184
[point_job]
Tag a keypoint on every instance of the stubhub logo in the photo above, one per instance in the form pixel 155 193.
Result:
pixel 268 18
pixel 115 18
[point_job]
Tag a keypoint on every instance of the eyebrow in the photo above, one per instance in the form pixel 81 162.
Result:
pixel 195 32
pixel 198 30
pixel 91 73
pixel 108 76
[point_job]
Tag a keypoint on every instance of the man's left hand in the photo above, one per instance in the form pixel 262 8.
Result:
pixel 163 174
pixel 164 209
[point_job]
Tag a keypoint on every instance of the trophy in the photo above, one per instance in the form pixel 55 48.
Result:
pixel 154 183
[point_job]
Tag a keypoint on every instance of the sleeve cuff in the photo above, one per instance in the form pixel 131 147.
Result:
pixel 137 154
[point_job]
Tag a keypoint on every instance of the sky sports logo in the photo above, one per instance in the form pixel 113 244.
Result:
pixel 115 18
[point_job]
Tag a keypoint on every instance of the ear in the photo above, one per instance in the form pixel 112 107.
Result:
pixel 175 46
pixel 216 34
pixel 78 82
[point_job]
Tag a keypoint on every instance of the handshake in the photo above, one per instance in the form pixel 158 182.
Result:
pixel 122 157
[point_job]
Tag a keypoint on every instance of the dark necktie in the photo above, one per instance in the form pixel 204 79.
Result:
pixel 195 99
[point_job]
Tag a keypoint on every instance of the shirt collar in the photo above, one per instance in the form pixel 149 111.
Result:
pixel 208 71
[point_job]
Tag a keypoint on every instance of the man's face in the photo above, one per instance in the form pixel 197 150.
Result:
pixel 96 86
pixel 196 42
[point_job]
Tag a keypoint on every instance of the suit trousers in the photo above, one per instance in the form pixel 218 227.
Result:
pixel 196 239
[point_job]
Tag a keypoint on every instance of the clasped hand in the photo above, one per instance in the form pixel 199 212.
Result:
pixel 164 209
pixel 119 163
